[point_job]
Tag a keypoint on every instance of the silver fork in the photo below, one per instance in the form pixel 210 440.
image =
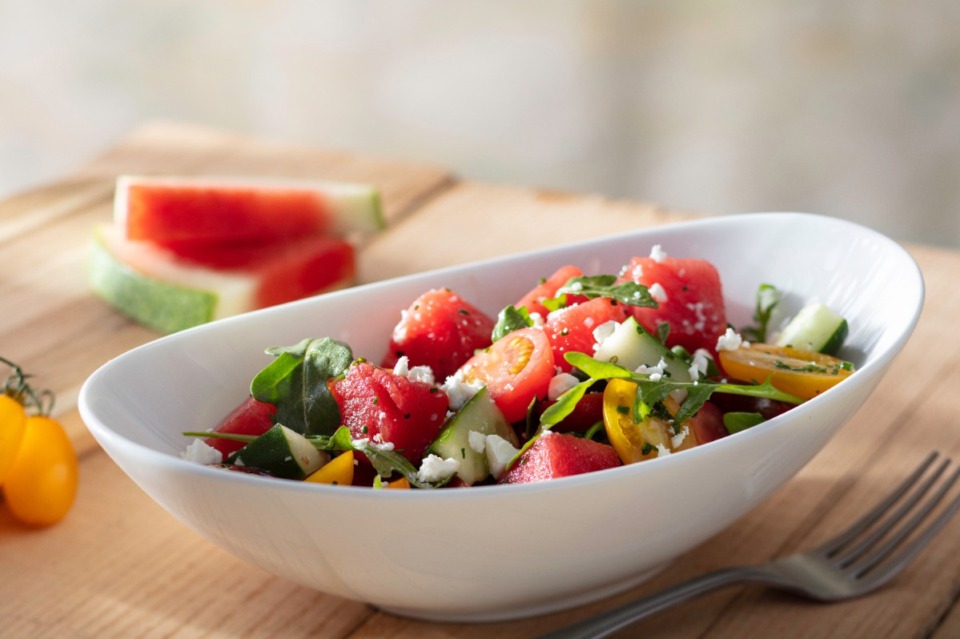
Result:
pixel 857 561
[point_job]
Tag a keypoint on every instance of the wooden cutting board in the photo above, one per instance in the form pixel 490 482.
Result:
pixel 120 566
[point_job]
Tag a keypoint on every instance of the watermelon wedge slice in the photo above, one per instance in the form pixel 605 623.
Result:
pixel 174 210
pixel 169 292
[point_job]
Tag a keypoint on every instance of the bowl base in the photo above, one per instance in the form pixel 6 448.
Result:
pixel 531 609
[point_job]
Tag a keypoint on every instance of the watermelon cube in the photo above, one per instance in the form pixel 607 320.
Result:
pixel 555 455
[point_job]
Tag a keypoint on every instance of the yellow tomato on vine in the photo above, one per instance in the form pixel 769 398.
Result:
pixel 38 466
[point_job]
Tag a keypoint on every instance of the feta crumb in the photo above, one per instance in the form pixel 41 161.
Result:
pixel 201 452
pixel 422 374
pixel 654 372
pixel 730 341
pixel 537 319
pixel 657 254
pixel 499 454
pixel 458 391
pixel 603 332
pixel 435 469
pixel 700 364
pixel 477 441
pixel 677 439
pixel 662 451
pixel 658 293
pixel 560 384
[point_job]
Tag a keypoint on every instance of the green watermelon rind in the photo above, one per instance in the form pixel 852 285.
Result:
pixel 159 305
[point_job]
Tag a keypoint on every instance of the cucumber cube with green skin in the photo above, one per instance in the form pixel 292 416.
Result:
pixel 631 346
pixel 283 453
pixel 816 328
pixel 479 415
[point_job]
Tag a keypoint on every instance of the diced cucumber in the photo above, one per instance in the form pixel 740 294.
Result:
pixel 283 453
pixel 815 328
pixel 631 346
pixel 479 415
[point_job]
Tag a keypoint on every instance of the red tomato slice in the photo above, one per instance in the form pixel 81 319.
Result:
pixel 691 300
pixel 547 289
pixel 440 330
pixel 570 329
pixel 516 369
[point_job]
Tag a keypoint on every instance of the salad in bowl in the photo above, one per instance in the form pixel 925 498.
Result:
pixel 581 374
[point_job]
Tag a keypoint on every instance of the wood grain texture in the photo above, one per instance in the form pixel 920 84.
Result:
pixel 120 566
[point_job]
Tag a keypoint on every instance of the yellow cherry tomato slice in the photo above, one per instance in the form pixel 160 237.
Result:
pixel 398 484
pixel 637 441
pixel 338 471
pixel 801 373
pixel 42 483
pixel 13 424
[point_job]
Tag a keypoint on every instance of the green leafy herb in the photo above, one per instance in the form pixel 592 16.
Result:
pixel 511 319
pixel 663 332
pixel 767 299
pixel 650 392
pixel 737 421
pixel 296 383
pixel 593 286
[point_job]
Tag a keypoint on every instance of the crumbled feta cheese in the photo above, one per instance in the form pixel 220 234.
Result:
pixel 435 469
pixel 730 341
pixel 677 439
pixel 603 332
pixel 657 254
pixel 499 454
pixel 422 374
pixel 560 384
pixel 700 364
pixel 654 372
pixel 662 451
pixel 477 441
pixel 537 320
pixel 658 293
pixel 201 452
pixel 459 391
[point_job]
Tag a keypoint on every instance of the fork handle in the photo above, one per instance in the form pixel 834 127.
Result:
pixel 609 622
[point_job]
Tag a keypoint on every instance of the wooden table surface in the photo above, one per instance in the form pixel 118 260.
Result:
pixel 120 566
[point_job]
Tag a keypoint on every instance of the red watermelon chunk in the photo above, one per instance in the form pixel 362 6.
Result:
pixel 177 210
pixel 547 289
pixel 440 330
pixel 570 329
pixel 249 418
pixel 385 408
pixel 556 455
pixel 691 299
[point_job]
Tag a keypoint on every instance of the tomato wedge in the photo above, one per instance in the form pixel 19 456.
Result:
pixel 516 369
pixel 637 441
pixel 801 373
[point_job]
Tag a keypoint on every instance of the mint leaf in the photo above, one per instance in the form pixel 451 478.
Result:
pixel 511 319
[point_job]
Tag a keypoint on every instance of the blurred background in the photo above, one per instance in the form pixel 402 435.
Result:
pixel 844 108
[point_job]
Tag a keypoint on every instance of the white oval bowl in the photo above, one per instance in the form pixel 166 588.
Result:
pixel 501 552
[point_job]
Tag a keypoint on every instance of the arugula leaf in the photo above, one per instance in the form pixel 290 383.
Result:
pixel 565 404
pixel 629 293
pixel 511 319
pixel 296 383
pixel 768 296
pixel 734 422
pixel 650 392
